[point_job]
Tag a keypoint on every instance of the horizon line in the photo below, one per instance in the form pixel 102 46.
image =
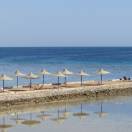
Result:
pixel 65 46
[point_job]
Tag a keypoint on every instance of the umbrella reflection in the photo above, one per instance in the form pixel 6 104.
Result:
pixel 17 118
pixel 4 126
pixel 66 113
pixel 31 122
pixel 81 114
pixel 44 115
pixel 101 113
pixel 60 118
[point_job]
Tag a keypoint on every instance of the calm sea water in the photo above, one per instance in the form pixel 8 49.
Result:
pixel 117 60
pixel 107 115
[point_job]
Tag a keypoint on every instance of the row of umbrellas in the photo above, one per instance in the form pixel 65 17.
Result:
pixel 65 73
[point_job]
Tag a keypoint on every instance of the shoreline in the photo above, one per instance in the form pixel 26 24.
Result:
pixel 109 88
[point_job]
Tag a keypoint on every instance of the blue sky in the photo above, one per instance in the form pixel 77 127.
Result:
pixel 65 23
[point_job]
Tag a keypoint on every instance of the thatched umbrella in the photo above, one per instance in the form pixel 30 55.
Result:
pixel 81 74
pixel 101 113
pixel 18 74
pixel 66 72
pixel 102 72
pixel 43 73
pixel 59 74
pixel 81 114
pixel 4 78
pixel 30 122
pixel 31 76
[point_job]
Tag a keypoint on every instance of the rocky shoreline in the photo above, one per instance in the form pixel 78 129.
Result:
pixel 10 98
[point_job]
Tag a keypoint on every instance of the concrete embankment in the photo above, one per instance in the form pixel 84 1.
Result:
pixel 10 98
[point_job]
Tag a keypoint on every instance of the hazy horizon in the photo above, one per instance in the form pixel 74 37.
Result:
pixel 61 45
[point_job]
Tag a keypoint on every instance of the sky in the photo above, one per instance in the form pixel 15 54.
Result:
pixel 65 23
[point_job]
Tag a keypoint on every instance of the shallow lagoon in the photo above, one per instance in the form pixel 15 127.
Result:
pixel 111 115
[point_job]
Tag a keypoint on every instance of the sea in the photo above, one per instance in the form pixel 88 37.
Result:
pixel 109 114
pixel 116 60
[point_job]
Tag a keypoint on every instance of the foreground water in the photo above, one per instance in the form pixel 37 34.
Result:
pixel 117 60
pixel 111 115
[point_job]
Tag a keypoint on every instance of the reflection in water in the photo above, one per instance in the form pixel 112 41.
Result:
pixel 101 113
pixel 43 115
pixel 17 118
pixel 81 114
pixel 30 122
pixel 60 118
pixel 64 115
pixel 4 126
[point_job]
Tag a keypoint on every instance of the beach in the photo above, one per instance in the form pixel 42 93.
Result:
pixel 56 59
pixel 65 65
pixel 34 89
pixel 109 88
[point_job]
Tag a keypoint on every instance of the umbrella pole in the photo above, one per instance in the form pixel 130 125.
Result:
pixel 101 78
pixel 30 116
pixel 81 81
pixel 17 116
pixel 30 83
pixel 81 108
pixel 65 108
pixel 43 78
pixel 3 85
pixel 58 114
pixel 17 81
pixel 65 80
pixel 58 81
pixel 101 108
pixel 3 119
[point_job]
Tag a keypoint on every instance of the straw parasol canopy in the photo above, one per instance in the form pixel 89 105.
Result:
pixel 18 74
pixel 81 114
pixel 81 74
pixel 31 122
pixel 101 113
pixel 59 74
pixel 31 76
pixel 43 73
pixel 102 72
pixel 66 72
pixel 4 78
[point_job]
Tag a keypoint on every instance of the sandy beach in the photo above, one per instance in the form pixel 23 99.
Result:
pixel 49 93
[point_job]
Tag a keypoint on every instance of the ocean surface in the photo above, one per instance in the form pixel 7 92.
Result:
pixel 116 60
